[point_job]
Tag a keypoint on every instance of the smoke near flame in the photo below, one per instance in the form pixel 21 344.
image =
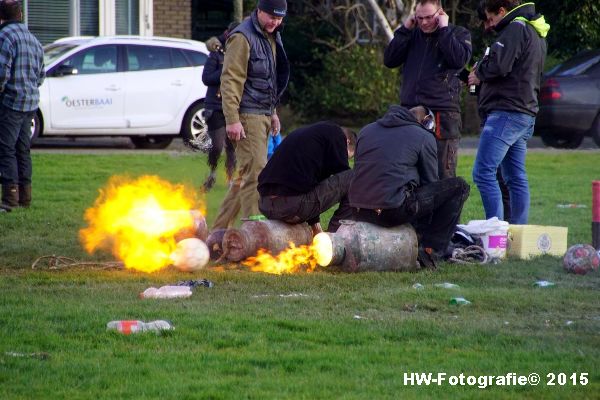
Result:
pixel 292 260
pixel 137 220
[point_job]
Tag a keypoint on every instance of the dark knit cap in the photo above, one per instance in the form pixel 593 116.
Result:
pixel 277 8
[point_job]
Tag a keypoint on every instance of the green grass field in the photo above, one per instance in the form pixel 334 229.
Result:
pixel 321 335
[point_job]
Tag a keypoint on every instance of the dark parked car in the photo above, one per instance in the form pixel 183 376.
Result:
pixel 570 102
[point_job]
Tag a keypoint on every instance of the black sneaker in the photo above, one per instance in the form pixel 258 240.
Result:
pixel 427 258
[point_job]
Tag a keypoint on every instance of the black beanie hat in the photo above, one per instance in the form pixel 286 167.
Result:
pixel 277 8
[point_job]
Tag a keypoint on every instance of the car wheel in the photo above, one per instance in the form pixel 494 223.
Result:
pixel 194 126
pixel 151 142
pixel 36 127
pixel 595 131
pixel 572 142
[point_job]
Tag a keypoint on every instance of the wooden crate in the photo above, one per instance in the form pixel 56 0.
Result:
pixel 526 241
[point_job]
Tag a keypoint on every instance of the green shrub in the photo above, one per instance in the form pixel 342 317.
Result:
pixel 353 83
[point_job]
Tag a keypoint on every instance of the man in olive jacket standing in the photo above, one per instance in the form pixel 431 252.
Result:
pixel 255 74
pixel 433 51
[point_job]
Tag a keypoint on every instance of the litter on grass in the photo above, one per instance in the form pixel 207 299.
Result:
pixel 194 283
pixel 127 327
pixel 447 285
pixel 571 205
pixel 39 356
pixel 166 292
pixel 286 295
pixel 459 301
pixel 544 284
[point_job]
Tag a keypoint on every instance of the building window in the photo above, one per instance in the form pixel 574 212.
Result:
pixel 88 18
pixel 48 20
pixel 127 17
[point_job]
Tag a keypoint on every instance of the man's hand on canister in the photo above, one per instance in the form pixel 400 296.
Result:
pixel 235 132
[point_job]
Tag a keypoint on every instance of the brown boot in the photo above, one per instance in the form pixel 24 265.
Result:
pixel 10 195
pixel 24 195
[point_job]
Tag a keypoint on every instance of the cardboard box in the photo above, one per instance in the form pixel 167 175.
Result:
pixel 526 241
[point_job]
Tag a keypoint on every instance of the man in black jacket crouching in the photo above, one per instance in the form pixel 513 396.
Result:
pixel 308 174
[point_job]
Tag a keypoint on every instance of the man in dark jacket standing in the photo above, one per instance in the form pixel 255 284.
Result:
pixel 509 75
pixel 215 120
pixel 307 175
pixel 433 52
pixel 396 181
pixel 21 74
pixel 255 74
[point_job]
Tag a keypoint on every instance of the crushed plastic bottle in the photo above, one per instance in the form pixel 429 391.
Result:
pixel 571 205
pixel 418 286
pixel 544 284
pixel 166 292
pixel 447 285
pixel 128 327
pixel 459 301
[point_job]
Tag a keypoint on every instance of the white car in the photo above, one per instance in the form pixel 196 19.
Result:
pixel 146 88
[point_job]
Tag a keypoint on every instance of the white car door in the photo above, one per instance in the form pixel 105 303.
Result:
pixel 155 90
pixel 93 98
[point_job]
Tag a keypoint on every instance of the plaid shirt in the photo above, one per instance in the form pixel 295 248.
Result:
pixel 21 67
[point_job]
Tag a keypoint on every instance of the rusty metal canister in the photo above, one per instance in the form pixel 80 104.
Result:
pixel 361 246
pixel 215 243
pixel 198 229
pixel 273 236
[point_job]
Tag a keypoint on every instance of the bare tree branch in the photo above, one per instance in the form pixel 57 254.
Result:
pixel 355 20
pixel 382 19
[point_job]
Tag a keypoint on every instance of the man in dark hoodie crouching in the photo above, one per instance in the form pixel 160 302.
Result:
pixel 396 181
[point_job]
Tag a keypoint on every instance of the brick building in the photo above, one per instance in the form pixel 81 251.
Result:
pixel 173 18
pixel 192 19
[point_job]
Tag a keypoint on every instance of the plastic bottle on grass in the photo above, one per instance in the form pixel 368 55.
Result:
pixel 459 301
pixel 166 292
pixel 127 327
pixel 447 285
pixel 544 284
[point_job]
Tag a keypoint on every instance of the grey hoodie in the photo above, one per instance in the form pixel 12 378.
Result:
pixel 393 155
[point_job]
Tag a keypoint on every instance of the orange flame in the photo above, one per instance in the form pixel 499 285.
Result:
pixel 292 260
pixel 137 220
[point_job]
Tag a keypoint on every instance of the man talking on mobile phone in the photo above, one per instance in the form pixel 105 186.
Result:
pixel 433 51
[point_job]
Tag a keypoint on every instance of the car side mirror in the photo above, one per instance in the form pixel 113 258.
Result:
pixel 64 70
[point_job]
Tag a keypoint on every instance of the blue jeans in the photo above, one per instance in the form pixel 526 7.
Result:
pixel 15 141
pixel 503 144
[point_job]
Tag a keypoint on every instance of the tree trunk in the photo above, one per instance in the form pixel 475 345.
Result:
pixel 382 19
pixel 238 10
